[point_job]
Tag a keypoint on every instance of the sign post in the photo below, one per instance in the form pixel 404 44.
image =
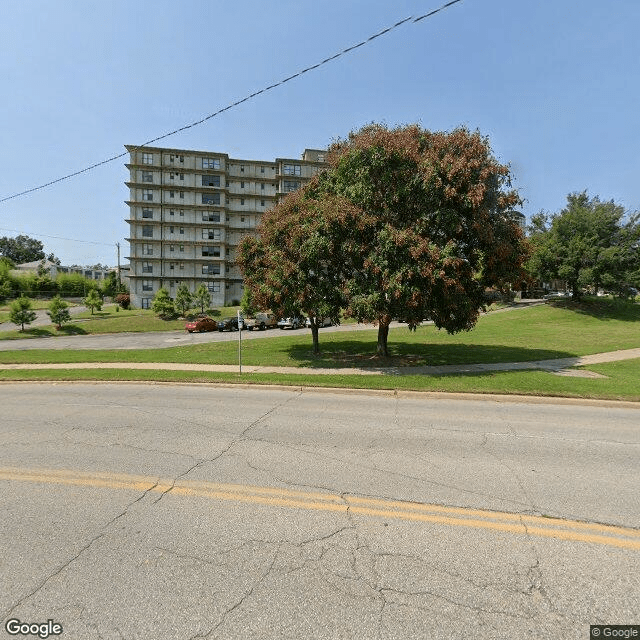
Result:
pixel 240 325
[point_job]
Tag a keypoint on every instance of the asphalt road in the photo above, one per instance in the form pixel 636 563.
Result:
pixel 174 511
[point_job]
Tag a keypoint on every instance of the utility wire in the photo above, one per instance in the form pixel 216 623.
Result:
pixel 42 235
pixel 239 102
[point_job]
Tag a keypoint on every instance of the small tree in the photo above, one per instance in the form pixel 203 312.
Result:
pixel 21 312
pixel 202 297
pixel 59 312
pixel 93 300
pixel 162 305
pixel 183 299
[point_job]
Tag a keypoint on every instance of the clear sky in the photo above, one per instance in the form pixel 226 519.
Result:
pixel 554 84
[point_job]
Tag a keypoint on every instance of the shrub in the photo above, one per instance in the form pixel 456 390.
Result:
pixel 123 300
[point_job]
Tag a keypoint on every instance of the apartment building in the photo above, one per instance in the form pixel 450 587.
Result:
pixel 188 211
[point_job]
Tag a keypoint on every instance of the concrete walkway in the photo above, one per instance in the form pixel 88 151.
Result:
pixel 559 366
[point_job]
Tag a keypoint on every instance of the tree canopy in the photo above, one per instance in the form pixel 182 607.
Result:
pixel 301 259
pixel 589 243
pixel 405 223
pixel 21 249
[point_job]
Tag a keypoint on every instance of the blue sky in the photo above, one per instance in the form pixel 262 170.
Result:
pixel 553 84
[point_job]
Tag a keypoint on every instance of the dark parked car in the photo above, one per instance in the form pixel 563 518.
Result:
pixel 200 324
pixel 228 324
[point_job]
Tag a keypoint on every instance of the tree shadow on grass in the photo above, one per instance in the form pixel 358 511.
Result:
pixel 51 331
pixel 601 308
pixel 356 354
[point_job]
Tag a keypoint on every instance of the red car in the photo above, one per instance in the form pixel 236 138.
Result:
pixel 201 324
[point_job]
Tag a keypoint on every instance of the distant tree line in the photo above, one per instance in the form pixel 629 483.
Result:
pixel 72 285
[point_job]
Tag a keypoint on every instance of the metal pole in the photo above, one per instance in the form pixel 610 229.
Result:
pixel 240 341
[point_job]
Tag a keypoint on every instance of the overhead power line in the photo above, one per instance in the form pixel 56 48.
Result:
pixel 238 102
pixel 42 235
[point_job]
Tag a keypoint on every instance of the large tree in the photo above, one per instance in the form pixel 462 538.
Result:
pixel 301 259
pixel 21 249
pixel 439 227
pixel 589 243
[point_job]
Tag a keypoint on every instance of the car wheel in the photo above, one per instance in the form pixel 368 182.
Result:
pixel 263 326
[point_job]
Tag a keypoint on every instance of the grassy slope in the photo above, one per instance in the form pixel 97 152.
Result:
pixel 548 331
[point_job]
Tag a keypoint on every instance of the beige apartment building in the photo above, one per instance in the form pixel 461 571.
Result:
pixel 188 211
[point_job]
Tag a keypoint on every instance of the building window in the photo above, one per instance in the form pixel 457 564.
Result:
pixel 147 158
pixel 147 176
pixel 242 185
pixel 241 201
pixel 147 249
pixel 210 181
pixel 210 163
pixel 291 185
pixel 182 195
pixel 182 176
pixel 211 234
pixel 292 170
pixel 213 287
pixel 182 230
pixel 147 213
pixel 182 159
pixel 171 247
pixel 172 176
pixel 212 252
pixel 182 266
pixel 262 187
pixel 171 194
pixel 182 248
pixel 171 212
pixel 261 169
pixel 147 231
pixel 182 214
pixel 145 303
pixel 170 229
pixel 147 285
pixel 241 168
pixel 172 265
pixel 211 269
pixel 211 217
pixel 262 203
pixel 147 195
pixel 210 198
pixel 321 157
pixel 147 267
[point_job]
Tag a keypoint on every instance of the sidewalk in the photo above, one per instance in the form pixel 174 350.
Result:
pixel 560 366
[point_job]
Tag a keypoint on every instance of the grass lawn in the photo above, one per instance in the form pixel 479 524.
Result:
pixel 109 321
pixel 560 329
pixel 621 383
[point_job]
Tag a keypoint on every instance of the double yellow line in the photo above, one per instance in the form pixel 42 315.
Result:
pixel 570 530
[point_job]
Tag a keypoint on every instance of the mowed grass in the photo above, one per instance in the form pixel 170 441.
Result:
pixel 108 320
pixel 561 329
pixel 621 382
pixel 533 333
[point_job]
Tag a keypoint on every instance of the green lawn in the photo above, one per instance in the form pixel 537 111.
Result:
pixel 561 329
pixel 621 383
pixel 108 320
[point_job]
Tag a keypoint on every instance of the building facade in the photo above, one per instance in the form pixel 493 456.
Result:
pixel 188 211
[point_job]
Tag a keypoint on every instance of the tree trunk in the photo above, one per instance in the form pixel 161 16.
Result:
pixel 314 334
pixel 383 334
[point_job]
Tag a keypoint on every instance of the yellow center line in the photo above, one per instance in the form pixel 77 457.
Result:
pixel 569 530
